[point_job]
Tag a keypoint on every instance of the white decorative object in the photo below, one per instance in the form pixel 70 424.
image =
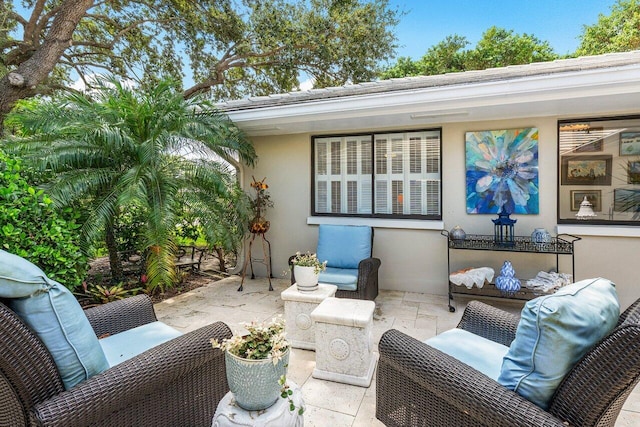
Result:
pixel 230 414
pixel 306 278
pixel 472 276
pixel 586 210
pixel 344 348
pixel 298 306
pixel 547 281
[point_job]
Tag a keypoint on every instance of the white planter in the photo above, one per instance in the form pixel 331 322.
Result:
pixel 306 278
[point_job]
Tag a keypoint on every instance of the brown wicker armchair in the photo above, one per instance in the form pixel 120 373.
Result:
pixel 336 241
pixel 418 385
pixel 176 383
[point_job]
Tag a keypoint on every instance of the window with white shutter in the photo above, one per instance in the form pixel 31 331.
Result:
pixel 393 174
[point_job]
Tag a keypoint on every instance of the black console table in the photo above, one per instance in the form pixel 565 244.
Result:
pixel 562 244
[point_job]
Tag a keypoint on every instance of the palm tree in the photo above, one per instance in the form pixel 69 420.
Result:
pixel 119 147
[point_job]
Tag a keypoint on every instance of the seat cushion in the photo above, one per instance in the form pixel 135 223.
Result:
pixel 480 353
pixel 125 345
pixel 554 333
pixel 54 314
pixel 346 279
pixel 343 246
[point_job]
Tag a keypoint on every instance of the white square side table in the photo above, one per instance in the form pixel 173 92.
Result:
pixel 297 313
pixel 344 344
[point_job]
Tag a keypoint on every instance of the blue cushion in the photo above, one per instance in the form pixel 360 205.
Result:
pixel 346 279
pixel 344 246
pixel 554 333
pixel 480 353
pixel 54 314
pixel 125 345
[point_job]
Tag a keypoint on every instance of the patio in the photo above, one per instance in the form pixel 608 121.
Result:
pixel 328 403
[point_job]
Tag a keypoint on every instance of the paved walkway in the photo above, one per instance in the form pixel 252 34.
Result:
pixel 328 403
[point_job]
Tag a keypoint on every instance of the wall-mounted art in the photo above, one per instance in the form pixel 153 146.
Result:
pixel 586 170
pixel 502 171
pixel 630 143
pixel 633 173
pixel 593 196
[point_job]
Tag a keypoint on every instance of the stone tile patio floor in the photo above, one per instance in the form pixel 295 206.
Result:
pixel 328 403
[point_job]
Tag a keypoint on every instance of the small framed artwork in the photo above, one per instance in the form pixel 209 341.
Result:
pixel 633 173
pixel 625 200
pixel 593 196
pixel 586 170
pixel 630 143
pixel 591 146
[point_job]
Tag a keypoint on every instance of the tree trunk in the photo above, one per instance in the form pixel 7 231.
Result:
pixel 221 264
pixel 114 260
pixel 23 81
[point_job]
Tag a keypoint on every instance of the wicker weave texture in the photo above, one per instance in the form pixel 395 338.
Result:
pixel 176 383
pixel 418 385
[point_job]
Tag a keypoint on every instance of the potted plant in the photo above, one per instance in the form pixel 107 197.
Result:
pixel 256 365
pixel 306 269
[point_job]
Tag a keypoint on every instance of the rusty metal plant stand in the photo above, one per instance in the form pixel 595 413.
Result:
pixel 266 251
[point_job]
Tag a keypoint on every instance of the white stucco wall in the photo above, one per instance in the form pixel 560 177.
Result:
pixel 416 260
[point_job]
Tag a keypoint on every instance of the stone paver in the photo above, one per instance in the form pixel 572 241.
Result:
pixel 328 403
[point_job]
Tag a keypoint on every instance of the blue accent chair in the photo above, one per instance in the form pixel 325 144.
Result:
pixel 350 265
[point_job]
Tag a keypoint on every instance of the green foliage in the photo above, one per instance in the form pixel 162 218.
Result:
pixel 104 294
pixel 32 228
pixel 497 48
pixel 232 48
pixel 618 32
pixel 121 153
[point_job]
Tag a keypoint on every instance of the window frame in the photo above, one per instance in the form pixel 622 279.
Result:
pixel 372 137
pixel 560 186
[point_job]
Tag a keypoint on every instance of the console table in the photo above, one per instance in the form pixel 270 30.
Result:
pixel 562 244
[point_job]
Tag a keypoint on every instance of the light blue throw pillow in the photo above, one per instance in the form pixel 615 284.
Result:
pixel 54 314
pixel 554 333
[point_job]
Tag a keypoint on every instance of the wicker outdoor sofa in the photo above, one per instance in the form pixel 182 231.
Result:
pixel 418 385
pixel 178 383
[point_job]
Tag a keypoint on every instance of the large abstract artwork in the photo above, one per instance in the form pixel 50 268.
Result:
pixel 502 171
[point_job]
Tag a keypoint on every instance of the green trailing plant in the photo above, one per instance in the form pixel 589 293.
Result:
pixel 31 227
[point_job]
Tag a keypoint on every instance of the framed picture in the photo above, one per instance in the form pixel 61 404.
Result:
pixel 593 196
pixel 502 171
pixel 633 173
pixel 592 146
pixel 630 143
pixel 586 170
pixel 625 200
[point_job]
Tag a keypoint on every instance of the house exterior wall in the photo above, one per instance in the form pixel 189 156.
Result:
pixel 415 260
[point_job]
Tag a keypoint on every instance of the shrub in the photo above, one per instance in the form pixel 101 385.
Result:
pixel 31 227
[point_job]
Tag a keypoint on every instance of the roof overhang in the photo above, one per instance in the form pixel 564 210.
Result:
pixel 577 93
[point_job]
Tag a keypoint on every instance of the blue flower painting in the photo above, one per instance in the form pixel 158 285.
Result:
pixel 502 171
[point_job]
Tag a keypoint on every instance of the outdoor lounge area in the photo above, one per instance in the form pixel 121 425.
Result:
pixel 329 403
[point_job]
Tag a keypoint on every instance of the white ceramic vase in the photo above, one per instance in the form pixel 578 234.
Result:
pixel 306 278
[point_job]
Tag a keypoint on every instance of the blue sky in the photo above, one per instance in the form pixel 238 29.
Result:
pixel 559 22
